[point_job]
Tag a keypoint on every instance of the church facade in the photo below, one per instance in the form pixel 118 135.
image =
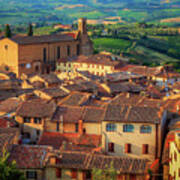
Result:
pixel 39 54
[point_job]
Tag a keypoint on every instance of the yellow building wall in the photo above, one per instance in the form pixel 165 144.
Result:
pixel 9 54
pixel 35 51
pixel 174 165
pixel 69 128
pixel 31 127
pixel 96 69
pixel 92 128
pixel 50 174
pixel 136 139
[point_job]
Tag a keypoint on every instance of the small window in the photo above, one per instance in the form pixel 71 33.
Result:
pixel 57 126
pixel 175 156
pixel 145 129
pixel 22 65
pixel 27 119
pixel 58 52
pixel 145 149
pixel 88 175
pixel 28 66
pixel 127 148
pixel 58 173
pixel 76 127
pixel 37 120
pixel 111 127
pixel 111 147
pixel 6 47
pixel 128 128
pixel 68 50
pixel 31 174
pixel 73 174
pixel 78 50
pixel 37 68
pixel 38 132
pixel 44 55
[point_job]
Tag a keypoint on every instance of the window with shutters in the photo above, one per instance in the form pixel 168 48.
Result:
pixel 110 147
pixel 145 129
pixel 127 148
pixel 128 128
pixel 37 120
pixel 110 127
pixel 31 175
pixel 145 149
pixel 27 119
pixel 58 173
pixel 73 174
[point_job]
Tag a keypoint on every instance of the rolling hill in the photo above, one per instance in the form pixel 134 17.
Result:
pixel 18 12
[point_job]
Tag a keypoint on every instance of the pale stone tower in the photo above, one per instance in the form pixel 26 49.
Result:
pixel 86 45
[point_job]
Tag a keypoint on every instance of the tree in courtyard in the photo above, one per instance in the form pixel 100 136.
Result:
pixel 8 171
pixel 8 31
pixel 105 174
pixel 30 30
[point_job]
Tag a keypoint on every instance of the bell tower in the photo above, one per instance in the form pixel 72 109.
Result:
pixel 86 46
pixel 82 27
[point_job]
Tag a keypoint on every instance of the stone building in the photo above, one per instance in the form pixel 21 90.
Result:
pixel 39 54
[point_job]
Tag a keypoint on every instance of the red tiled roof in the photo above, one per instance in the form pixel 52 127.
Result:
pixel 36 108
pixel 69 114
pixel 87 161
pixel 74 35
pixel 73 141
pixel 29 156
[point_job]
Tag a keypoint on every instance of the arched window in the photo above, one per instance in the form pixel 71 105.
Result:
pixel 145 129
pixel 128 128
pixel 110 127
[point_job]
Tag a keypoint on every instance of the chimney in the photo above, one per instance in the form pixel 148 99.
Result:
pixel 128 95
pixel 177 108
pixel 82 28
pixel 80 127
pixel 61 124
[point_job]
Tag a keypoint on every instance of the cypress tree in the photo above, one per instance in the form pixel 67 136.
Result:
pixel 7 31
pixel 30 30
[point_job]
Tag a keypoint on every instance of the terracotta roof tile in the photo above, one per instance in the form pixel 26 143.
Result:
pixel 41 39
pixel 68 113
pixel 36 108
pixel 136 114
pixel 7 136
pixel 28 156
pixel 75 99
pixel 86 161
pixel 9 105
pixel 71 141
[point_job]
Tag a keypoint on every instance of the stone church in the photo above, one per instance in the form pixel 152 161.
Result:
pixel 39 54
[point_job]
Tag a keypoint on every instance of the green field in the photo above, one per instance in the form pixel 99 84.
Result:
pixel 111 44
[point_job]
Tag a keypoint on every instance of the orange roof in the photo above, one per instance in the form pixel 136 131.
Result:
pixel 76 140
